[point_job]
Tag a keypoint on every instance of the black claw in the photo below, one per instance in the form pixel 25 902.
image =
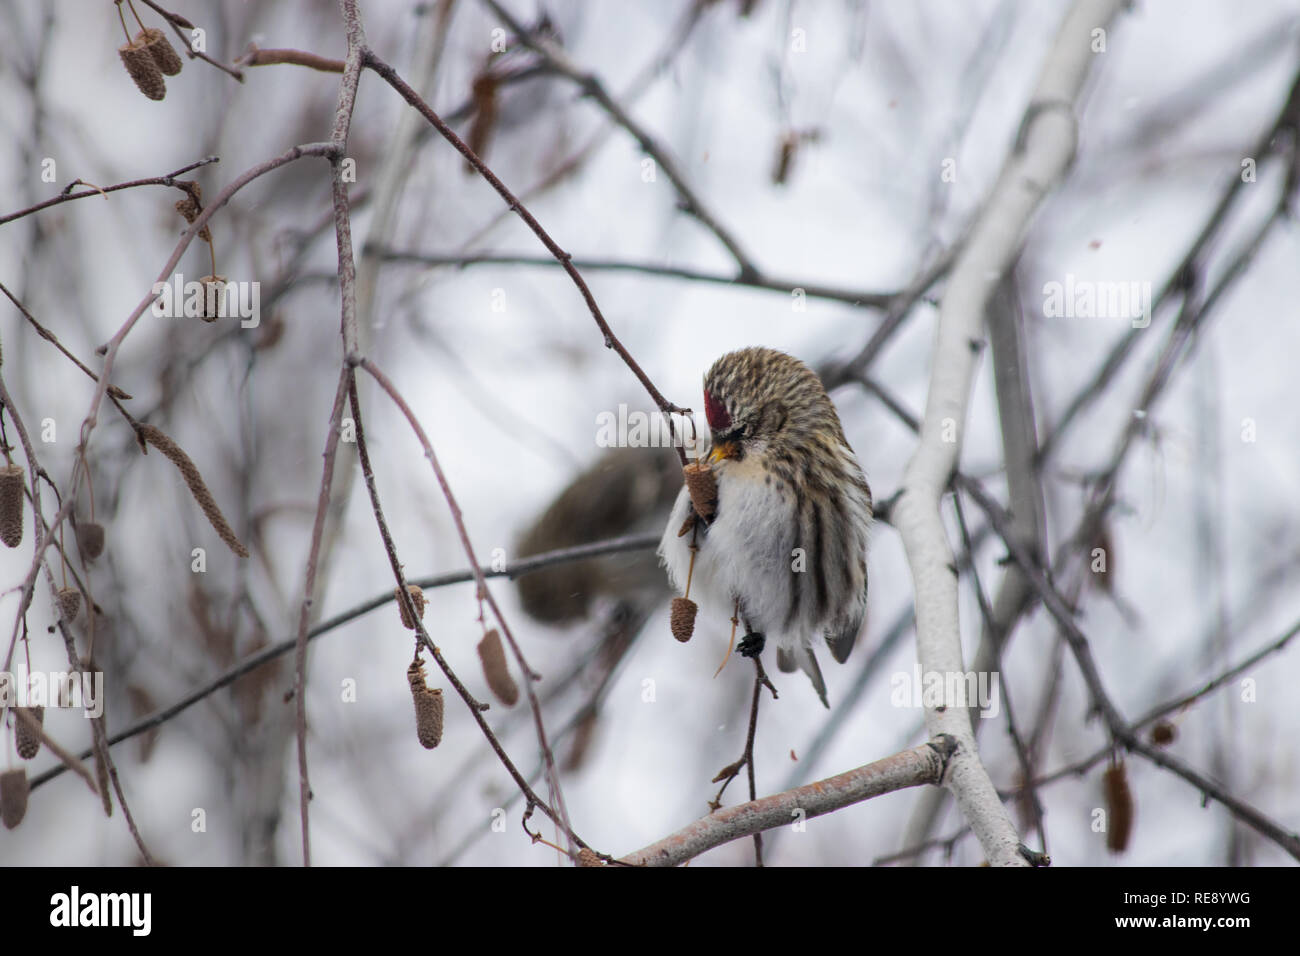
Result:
pixel 751 645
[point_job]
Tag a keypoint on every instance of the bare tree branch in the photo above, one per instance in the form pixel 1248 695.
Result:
pixel 1048 147
pixel 926 764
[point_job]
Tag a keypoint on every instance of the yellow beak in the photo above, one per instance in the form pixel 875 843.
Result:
pixel 721 450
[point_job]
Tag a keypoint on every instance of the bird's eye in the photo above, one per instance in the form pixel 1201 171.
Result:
pixel 737 432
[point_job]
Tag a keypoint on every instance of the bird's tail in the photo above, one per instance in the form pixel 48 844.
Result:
pixel 805 660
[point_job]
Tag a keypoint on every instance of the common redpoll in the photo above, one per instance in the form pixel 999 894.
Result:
pixel 788 542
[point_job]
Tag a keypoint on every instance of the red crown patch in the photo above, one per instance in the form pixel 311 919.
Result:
pixel 716 413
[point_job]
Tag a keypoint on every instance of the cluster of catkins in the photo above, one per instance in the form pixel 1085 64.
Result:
pixel 148 56
pixel 27 721
pixel 703 490
pixel 429 701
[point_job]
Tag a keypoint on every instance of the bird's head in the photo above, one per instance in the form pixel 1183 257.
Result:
pixel 761 401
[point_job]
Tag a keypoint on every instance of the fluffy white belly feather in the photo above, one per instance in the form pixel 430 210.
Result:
pixel 747 552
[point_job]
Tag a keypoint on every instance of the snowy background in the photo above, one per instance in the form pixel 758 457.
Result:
pixel 507 372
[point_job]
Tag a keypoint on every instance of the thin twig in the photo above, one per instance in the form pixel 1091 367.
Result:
pixel 641 542
pixel 560 816
pixel 169 179
pixel 1269 143
pixel 1048 146
pixel 69 761
pixel 590 84
pixel 180 24
pixel 863 298
pixel 410 613
pixel 43 332
pixel 257 56
pixel 566 260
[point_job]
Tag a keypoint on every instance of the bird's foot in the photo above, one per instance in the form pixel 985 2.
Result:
pixel 751 645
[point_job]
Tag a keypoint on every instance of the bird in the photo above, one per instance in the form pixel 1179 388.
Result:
pixel 786 548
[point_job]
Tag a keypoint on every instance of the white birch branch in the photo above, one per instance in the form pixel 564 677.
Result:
pixel 910 768
pixel 1042 154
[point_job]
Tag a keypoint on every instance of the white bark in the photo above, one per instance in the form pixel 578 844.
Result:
pixel 911 768
pixel 1041 156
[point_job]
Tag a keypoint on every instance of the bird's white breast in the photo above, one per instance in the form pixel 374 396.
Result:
pixel 746 552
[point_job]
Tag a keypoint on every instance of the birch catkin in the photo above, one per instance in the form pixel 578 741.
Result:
pixel 417 599
pixel 11 505
pixel 682 618
pixel 1119 808
pixel 703 489
pixel 428 707
pixel 13 797
pixel 190 472
pixel 143 68
pixel 26 737
pixel 90 539
pixel 160 48
pixel 495 669
pixel 69 603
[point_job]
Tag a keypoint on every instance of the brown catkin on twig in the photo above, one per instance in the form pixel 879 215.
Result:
pixel 90 539
pixel 495 669
pixel 682 618
pixel 587 857
pixel 160 48
pixel 428 707
pixel 191 206
pixel 27 740
pixel 156 437
pixel 1119 808
pixel 11 505
pixel 417 598
pixel 139 62
pixel 69 602
pixel 215 305
pixel 13 797
pixel 702 487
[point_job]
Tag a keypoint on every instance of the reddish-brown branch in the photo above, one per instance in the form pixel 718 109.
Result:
pixel 552 775
pixel 565 259
pixel 688 200
pixel 304 614
pixel 43 332
pixel 259 57
pixel 640 542
pixel 109 349
pixel 179 24
pixel 409 613
pixel 347 288
pixel 28 589
pixel 67 196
